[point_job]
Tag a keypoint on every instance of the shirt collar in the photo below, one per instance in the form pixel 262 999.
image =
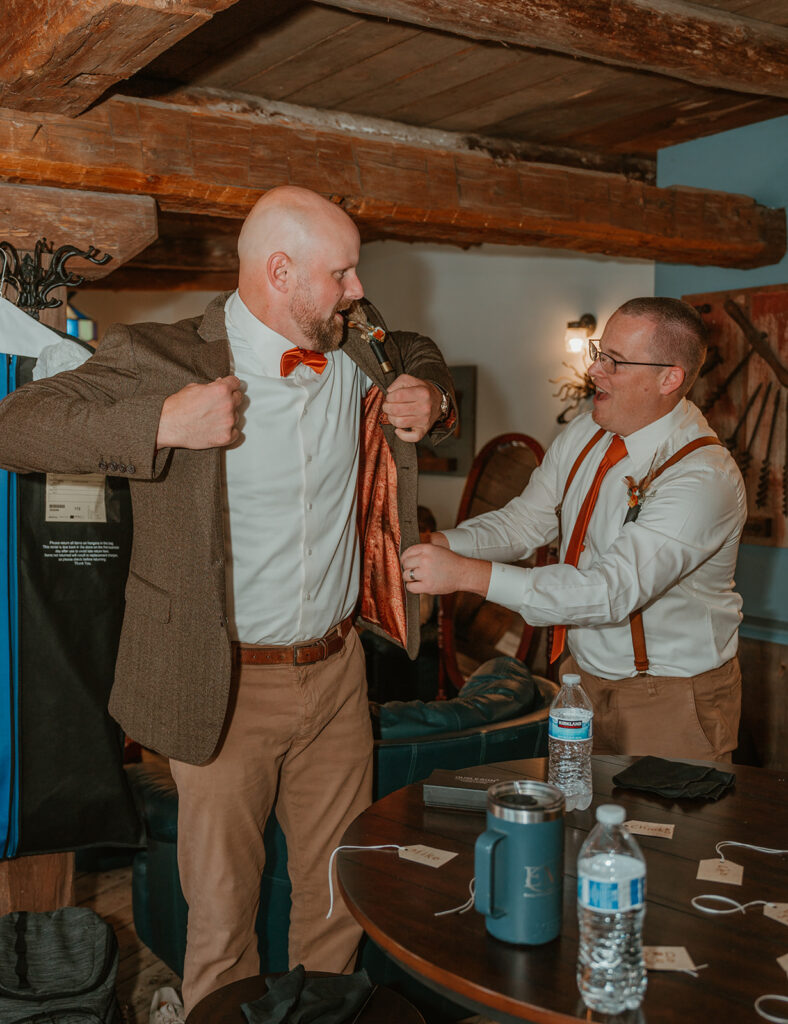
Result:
pixel 643 443
pixel 246 331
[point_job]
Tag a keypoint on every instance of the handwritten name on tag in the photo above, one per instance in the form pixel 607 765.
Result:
pixel 720 871
pixel 778 912
pixel 649 828
pixel 783 962
pixel 426 855
pixel 667 958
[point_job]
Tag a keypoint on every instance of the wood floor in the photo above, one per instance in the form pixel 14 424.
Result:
pixel 140 973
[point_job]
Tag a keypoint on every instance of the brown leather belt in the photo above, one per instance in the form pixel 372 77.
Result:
pixel 299 654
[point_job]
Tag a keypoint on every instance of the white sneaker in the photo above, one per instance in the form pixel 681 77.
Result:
pixel 166 1007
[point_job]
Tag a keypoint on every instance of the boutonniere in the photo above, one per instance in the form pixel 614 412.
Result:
pixel 636 492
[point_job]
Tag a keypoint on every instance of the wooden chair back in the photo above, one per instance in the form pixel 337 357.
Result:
pixel 471 629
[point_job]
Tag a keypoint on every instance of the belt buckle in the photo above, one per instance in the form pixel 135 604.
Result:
pixel 305 646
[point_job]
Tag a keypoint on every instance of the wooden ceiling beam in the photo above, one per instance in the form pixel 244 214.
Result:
pixel 216 159
pixel 683 40
pixel 119 225
pixel 60 56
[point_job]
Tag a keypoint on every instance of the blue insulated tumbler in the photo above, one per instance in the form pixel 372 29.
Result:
pixel 520 862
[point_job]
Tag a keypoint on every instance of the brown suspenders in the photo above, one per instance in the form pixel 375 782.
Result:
pixel 636 617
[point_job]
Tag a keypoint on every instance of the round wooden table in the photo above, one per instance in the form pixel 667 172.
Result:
pixel 224 1006
pixel 396 900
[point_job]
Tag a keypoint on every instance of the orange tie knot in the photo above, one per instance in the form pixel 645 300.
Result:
pixel 293 356
pixel 616 450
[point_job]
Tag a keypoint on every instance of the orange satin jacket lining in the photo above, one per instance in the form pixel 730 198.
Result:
pixel 382 600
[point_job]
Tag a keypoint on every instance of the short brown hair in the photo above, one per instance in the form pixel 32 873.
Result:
pixel 680 336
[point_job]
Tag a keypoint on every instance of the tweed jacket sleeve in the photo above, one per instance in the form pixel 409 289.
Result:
pixel 98 418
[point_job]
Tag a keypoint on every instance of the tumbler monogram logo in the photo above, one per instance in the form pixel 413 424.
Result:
pixel 539 879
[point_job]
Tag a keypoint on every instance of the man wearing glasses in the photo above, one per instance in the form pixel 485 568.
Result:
pixel 646 508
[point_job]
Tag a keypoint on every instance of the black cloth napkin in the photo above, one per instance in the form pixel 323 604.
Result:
pixel 296 999
pixel 675 779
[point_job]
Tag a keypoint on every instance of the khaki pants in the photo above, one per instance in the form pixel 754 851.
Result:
pixel 306 730
pixel 665 716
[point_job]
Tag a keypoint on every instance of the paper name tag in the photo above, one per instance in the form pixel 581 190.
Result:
pixel 649 828
pixel 778 912
pixel 426 855
pixel 720 871
pixel 783 962
pixel 667 958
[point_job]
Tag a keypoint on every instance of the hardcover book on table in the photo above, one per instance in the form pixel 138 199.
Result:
pixel 465 789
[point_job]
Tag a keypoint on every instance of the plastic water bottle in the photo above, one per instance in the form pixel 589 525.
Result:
pixel 611 891
pixel 569 743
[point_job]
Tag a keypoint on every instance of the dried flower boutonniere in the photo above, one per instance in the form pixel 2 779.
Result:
pixel 636 492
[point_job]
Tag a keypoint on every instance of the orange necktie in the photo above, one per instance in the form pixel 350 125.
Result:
pixel 616 451
pixel 294 356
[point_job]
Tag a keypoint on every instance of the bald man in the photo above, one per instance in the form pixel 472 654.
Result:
pixel 261 441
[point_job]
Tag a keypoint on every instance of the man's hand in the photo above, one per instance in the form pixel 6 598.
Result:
pixel 412 406
pixel 201 415
pixel 434 569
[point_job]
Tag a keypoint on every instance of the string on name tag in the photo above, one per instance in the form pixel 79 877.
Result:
pixel 463 907
pixel 385 846
pixel 744 846
pixel 730 906
pixel 771 1016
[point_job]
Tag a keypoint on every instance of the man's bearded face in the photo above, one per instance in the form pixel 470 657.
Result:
pixel 323 330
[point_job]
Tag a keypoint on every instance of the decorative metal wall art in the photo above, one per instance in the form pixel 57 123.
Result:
pixel 742 392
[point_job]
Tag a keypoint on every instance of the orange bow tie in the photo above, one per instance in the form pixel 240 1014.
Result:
pixel 294 356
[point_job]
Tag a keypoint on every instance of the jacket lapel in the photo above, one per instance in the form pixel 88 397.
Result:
pixel 212 359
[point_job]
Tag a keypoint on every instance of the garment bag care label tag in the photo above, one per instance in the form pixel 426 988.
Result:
pixel 649 828
pixel 720 871
pixel 75 499
pixel 426 855
pixel 667 958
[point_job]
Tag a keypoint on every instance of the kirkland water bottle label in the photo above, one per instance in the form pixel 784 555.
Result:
pixel 566 727
pixel 596 895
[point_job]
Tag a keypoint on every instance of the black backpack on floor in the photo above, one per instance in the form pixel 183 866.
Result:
pixel 58 967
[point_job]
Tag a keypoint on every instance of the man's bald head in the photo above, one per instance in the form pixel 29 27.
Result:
pixel 298 255
pixel 289 219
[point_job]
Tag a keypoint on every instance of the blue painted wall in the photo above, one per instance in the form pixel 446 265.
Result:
pixel 752 160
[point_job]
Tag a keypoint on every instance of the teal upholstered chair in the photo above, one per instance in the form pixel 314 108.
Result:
pixel 499 716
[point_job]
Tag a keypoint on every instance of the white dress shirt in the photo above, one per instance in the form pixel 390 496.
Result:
pixel 292 555
pixel 676 561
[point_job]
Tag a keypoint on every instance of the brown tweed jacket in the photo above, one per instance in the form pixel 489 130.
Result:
pixel 172 676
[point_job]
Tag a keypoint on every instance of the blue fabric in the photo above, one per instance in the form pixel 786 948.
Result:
pixel 498 690
pixel 9 646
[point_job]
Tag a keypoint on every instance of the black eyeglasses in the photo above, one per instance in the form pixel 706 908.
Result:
pixel 609 364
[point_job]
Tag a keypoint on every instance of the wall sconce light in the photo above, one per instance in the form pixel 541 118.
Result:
pixel 578 332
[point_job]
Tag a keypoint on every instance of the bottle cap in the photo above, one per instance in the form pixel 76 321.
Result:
pixel 610 814
pixel 570 679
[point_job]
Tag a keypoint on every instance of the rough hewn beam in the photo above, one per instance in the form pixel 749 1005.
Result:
pixel 119 225
pixel 218 158
pixel 672 37
pixel 62 55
